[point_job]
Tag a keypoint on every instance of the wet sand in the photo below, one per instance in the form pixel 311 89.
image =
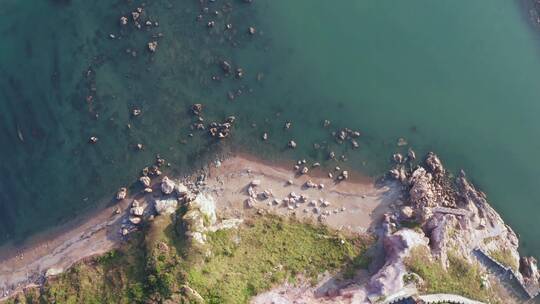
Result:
pixel 354 205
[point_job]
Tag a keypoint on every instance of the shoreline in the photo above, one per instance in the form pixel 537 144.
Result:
pixel 98 232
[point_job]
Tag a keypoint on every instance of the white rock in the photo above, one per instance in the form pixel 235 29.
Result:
pixel 145 180
pixel 181 189
pixel 135 220
pixel 206 204
pixel 137 211
pixel 167 185
pixel 166 206
pixel 53 271
pixel 121 194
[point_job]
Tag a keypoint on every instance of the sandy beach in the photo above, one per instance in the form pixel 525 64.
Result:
pixel 353 204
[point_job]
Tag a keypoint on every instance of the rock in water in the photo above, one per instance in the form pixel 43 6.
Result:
pixel 152 46
pixel 167 185
pixel 145 181
pixel 434 165
pixel 121 194
pixel 166 206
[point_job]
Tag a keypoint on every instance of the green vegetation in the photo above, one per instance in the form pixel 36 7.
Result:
pixel 504 256
pixel 247 261
pixel 158 266
pixel 112 278
pixel 461 277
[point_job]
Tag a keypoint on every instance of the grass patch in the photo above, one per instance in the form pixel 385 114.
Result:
pixel 504 256
pixel 461 278
pixel 112 278
pixel 269 251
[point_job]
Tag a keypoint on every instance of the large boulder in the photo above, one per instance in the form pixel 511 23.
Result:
pixel 206 205
pixel 201 215
pixel 121 194
pixel 167 185
pixel 397 247
pixel 166 206
pixel 181 189
pixel 422 193
pixel 434 165
pixel 529 268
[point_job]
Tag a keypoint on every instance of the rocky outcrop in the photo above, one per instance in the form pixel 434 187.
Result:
pixel 201 215
pixel 434 165
pixel 397 246
pixel 166 206
pixel 528 267
pixel 456 218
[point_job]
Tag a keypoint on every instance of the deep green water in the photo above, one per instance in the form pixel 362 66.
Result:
pixel 456 77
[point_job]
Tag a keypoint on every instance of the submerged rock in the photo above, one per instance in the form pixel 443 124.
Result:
pixel 152 46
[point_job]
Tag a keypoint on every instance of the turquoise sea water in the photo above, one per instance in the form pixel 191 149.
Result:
pixel 456 77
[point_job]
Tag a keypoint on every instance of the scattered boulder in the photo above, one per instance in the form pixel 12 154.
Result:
pixel 398 158
pixel 145 181
pixel 401 142
pixel 221 130
pixel 121 194
pixel 411 155
pixel 196 109
pixel 137 211
pixel 152 46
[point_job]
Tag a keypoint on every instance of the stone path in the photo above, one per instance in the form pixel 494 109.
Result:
pixel 450 298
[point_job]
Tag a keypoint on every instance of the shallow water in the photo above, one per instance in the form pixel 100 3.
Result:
pixel 454 77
